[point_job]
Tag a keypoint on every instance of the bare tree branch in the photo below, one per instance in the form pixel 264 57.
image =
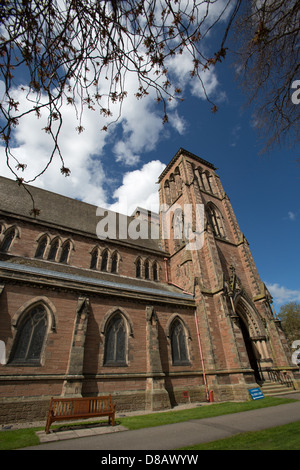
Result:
pixel 80 52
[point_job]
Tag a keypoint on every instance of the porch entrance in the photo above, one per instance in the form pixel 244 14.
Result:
pixel 252 352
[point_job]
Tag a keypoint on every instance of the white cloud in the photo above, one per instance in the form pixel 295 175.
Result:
pixel 33 147
pixel 181 67
pixel 291 215
pixel 138 131
pixel 282 294
pixel 139 188
pixel 141 126
pixel 178 122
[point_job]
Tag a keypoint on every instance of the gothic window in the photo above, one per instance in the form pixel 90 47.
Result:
pixel 155 271
pixel 178 180
pixel 115 341
pixel 31 337
pixel 114 262
pixel 215 219
pixel 167 192
pixel 205 180
pixel 178 344
pixel 147 270
pixel 208 182
pixel 94 258
pixel 41 248
pixel 104 260
pixel 9 236
pixel 53 250
pixel 178 224
pixel 172 184
pixel 138 267
pixel 66 248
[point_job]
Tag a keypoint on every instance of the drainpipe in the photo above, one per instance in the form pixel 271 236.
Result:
pixel 202 361
pixel 198 334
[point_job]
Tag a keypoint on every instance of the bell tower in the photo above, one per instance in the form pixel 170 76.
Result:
pixel 210 257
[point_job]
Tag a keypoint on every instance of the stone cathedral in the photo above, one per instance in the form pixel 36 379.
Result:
pixel 153 320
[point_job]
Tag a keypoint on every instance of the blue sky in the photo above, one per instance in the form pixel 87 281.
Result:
pixel 263 188
pixel 119 169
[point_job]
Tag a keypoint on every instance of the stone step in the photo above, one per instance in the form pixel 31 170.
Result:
pixel 275 388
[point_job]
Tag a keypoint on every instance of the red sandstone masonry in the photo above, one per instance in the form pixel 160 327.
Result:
pixel 204 272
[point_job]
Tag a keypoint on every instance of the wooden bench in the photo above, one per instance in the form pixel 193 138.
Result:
pixel 63 409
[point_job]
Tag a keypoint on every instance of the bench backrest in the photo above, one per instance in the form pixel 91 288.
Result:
pixel 80 406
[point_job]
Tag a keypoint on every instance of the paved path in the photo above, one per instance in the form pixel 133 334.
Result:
pixel 174 436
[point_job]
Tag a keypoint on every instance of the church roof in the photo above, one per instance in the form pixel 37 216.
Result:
pixel 62 212
pixel 68 277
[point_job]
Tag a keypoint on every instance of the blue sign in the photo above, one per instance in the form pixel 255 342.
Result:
pixel 256 393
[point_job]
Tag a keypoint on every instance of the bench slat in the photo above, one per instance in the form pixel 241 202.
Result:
pixel 72 408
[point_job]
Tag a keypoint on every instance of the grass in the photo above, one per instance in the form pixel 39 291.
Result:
pixel 285 437
pixel 21 438
pixel 217 409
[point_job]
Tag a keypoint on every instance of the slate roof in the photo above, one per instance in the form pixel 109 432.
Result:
pixel 33 270
pixel 61 212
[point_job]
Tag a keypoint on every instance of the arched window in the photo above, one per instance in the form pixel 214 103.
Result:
pixel 178 224
pixel 104 260
pixel 114 262
pixel 64 256
pixel 94 258
pixel 9 236
pixel 167 192
pixel 178 180
pixel 178 343
pixel 41 248
pixel 147 270
pixel 207 181
pixel 215 219
pixel 155 271
pixel 138 267
pixel 53 250
pixel 115 341
pixel 31 337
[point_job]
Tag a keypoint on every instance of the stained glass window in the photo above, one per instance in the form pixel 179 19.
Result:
pixel 114 263
pixel 30 337
pixel 115 342
pixel 53 250
pixel 155 272
pixel 178 344
pixel 104 261
pixel 40 252
pixel 65 253
pixel 8 238
pixel 94 259
pixel 147 274
pixel 138 268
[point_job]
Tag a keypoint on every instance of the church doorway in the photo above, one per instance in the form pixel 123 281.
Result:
pixel 253 354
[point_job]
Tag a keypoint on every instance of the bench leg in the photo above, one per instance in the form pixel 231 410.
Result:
pixel 48 424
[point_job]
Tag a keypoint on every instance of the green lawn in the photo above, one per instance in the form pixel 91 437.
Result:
pixel 26 437
pixel 285 437
pixel 205 411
